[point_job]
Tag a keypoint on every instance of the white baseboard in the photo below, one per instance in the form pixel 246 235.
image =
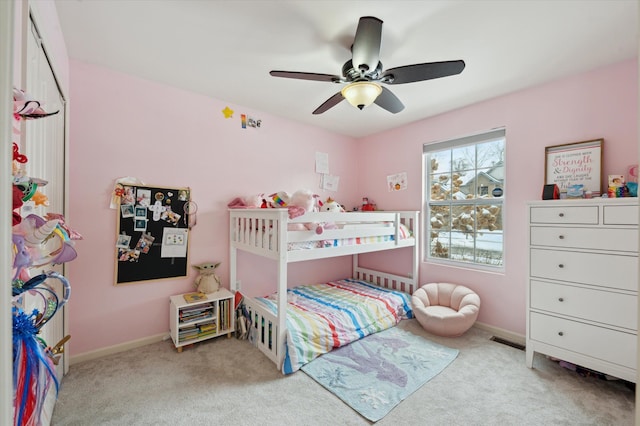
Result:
pixel 110 350
pixel 502 333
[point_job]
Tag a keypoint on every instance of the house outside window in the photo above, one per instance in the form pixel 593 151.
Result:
pixel 464 200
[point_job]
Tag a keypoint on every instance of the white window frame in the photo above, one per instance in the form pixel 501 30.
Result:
pixel 427 202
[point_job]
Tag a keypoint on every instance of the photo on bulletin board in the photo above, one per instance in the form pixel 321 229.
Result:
pixel 152 234
pixel 572 164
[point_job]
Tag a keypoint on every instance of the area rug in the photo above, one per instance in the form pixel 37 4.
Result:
pixel 376 373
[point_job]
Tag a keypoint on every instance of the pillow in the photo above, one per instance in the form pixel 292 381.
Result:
pixel 404 232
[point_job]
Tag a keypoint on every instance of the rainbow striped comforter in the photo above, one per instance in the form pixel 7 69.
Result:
pixel 321 317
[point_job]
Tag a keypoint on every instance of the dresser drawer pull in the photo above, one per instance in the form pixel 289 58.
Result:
pixel 561 266
pixel 560 333
pixel 560 299
pixel 561 215
pixel 561 237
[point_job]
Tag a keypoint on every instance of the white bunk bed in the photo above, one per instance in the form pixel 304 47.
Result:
pixel 265 232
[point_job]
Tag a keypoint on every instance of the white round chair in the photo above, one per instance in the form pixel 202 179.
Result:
pixel 445 309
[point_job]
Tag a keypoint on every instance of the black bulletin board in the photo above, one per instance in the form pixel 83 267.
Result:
pixel 152 233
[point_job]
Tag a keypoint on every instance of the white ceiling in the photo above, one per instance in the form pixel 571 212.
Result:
pixel 225 49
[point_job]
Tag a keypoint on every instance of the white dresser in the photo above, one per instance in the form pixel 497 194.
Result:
pixel 583 283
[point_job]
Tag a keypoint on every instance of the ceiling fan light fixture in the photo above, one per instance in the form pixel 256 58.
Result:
pixel 361 94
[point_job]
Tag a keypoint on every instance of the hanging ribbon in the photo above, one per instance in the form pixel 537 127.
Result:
pixel 33 370
pixel 33 366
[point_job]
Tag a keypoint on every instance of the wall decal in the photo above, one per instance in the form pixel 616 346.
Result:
pixel 248 121
pixel 228 112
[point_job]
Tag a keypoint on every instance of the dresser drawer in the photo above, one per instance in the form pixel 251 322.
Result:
pixel 587 215
pixel 600 306
pixel 607 270
pixel 588 238
pixel 620 215
pixel 597 342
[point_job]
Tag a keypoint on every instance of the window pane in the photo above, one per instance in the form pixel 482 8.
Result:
pixel 489 248
pixel 439 245
pixel 489 217
pixel 463 218
pixel 490 153
pixel 440 161
pixel 438 232
pixel 489 236
pixel 440 186
pixel 462 247
pixel 463 159
pixel 485 181
pixel 440 218
pixel 459 186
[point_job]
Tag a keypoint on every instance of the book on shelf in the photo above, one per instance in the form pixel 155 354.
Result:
pixel 193 313
pixel 195 309
pixel 194 297
pixel 224 308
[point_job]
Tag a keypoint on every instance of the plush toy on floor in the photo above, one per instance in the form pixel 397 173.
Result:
pixel 207 282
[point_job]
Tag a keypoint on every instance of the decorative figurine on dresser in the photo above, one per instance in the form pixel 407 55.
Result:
pixel 583 283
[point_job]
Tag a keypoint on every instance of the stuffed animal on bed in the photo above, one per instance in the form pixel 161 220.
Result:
pixel 331 206
pixel 278 200
pixel 248 202
pixel 301 202
pixel 207 282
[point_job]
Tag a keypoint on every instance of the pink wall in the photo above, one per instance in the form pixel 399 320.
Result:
pixel 125 126
pixel 599 104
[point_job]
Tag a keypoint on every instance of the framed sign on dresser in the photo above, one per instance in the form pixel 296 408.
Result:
pixel 582 283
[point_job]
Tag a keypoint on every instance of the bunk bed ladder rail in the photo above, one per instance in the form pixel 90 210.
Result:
pixel 263 331
pixel 392 282
pixel 260 236
pixel 408 284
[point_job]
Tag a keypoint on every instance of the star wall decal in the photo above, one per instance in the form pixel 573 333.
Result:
pixel 228 112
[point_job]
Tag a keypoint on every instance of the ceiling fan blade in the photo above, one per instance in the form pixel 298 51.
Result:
pixel 307 76
pixel 329 103
pixel 389 101
pixel 421 72
pixel 366 45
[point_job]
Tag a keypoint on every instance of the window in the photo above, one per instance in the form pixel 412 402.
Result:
pixel 464 198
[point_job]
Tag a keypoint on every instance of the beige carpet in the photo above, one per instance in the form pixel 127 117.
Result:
pixel 228 382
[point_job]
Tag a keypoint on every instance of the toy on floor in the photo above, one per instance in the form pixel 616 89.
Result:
pixel 207 282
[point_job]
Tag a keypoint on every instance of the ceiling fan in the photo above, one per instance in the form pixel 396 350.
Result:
pixel 364 71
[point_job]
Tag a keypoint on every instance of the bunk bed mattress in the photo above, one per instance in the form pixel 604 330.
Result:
pixel 321 317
